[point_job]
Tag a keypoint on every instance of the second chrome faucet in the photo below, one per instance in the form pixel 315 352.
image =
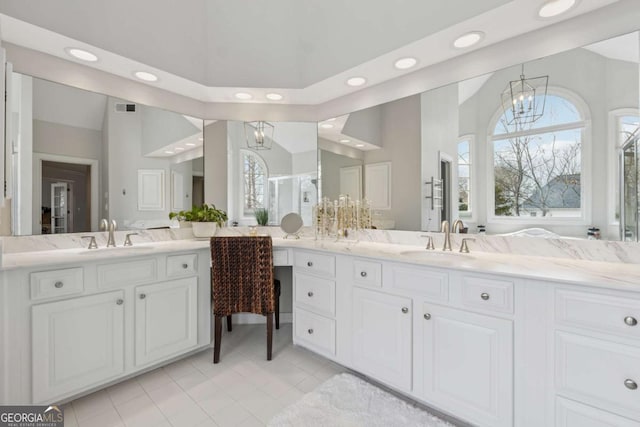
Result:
pixel 111 227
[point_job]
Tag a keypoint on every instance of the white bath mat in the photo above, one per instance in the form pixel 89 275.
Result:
pixel 348 401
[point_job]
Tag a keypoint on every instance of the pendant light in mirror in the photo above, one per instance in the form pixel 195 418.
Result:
pixel 259 135
pixel 523 100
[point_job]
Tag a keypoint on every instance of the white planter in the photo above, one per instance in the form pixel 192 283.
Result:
pixel 204 229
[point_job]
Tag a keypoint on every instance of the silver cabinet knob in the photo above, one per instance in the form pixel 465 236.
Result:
pixel 58 284
pixel 185 265
pixel 309 294
pixel 142 296
pixel 363 274
pixel 484 296
pixel 405 310
pixel 310 331
pixel 309 264
pixel 630 384
pixel 120 301
pixel 427 316
pixel 631 321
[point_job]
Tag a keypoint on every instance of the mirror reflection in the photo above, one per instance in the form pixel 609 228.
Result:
pixel 536 145
pixel 78 156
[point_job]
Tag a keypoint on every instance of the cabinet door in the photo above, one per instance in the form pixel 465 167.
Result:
pixel 77 343
pixel 166 319
pixel 382 336
pixel 468 364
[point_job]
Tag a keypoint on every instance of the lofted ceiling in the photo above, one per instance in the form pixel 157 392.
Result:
pixel 305 50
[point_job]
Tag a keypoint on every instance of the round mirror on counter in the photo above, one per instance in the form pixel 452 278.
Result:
pixel 291 224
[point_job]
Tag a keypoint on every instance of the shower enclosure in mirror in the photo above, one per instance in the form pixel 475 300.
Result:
pixel 629 175
pixel 76 156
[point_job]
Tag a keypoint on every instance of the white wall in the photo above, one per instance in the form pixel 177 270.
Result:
pixel 331 164
pixel 21 117
pixel 401 145
pixel 161 128
pixel 216 160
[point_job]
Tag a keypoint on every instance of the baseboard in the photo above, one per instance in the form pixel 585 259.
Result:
pixel 250 318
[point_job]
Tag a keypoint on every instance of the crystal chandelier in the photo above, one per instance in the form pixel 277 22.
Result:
pixel 523 100
pixel 259 135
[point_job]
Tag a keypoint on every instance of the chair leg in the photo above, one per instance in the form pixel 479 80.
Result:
pixel 277 292
pixel 217 339
pixel 229 323
pixel 269 335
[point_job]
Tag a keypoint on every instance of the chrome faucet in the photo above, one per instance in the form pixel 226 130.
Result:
pixel 111 227
pixel 447 235
pixel 457 226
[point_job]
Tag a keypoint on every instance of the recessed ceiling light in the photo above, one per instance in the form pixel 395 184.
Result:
pixel 405 63
pixel 344 141
pixel 168 152
pixel 468 40
pixel 179 149
pixel 81 54
pixel 356 81
pixel 190 144
pixel 274 96
pixel 555 7
pixel 326 126
pixel 201 139
pixel 146 76
pixel 332 119
pixel 359 145
pixel 243 96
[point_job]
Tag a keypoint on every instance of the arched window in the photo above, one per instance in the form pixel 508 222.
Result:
pixel 254 179
pixel 537 167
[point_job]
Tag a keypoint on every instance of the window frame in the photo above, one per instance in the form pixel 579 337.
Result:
pixel 471 213
pixel 585 164
pixel 249 213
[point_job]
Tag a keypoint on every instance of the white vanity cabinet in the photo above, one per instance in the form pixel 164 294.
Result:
pixel 467 366
pixel 381 336
pixel 166 319
pixel 76 328
pixel 77 343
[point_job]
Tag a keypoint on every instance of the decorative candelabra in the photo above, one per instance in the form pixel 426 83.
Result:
pixel 342 218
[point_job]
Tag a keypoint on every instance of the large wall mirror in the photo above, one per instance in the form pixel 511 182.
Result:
pixel 75 157
pixel 453 152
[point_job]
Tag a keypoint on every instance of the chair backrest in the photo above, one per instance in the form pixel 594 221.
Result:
pixel 242 275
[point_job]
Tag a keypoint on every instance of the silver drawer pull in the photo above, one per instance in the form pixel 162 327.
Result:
pixel 185 265
pixel 630 384
pixel 58 285
pixel 631 321
pixel 120 301
pixel 427 316
pixel 143 296
pixel 363 274
pixel 484 296
pixel 309 294
pixel 405 310
pixel 310 331
pixel 309 264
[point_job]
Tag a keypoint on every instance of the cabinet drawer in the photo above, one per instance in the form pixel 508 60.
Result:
pixel 599 372
pixel 55 283
pixel 428 283
pixel 598 312
pixel 318 332
pixel 181 265
pixel 487 294
pixel 132 272
pixel 316 294
pixel 316 263
pixel 574 414
pixel 280 257
pixel 367 273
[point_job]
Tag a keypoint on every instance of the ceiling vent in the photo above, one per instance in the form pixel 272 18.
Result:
pixel 125 108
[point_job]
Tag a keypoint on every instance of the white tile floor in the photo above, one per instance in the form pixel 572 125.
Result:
pixel 244 389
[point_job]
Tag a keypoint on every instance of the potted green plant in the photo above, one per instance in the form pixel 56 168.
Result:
pixel 204 219
pixel 262 216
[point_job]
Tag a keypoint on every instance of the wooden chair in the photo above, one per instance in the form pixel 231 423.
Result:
pixel 242 282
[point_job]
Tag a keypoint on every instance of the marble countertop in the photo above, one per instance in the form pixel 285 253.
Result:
pixel 602 274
